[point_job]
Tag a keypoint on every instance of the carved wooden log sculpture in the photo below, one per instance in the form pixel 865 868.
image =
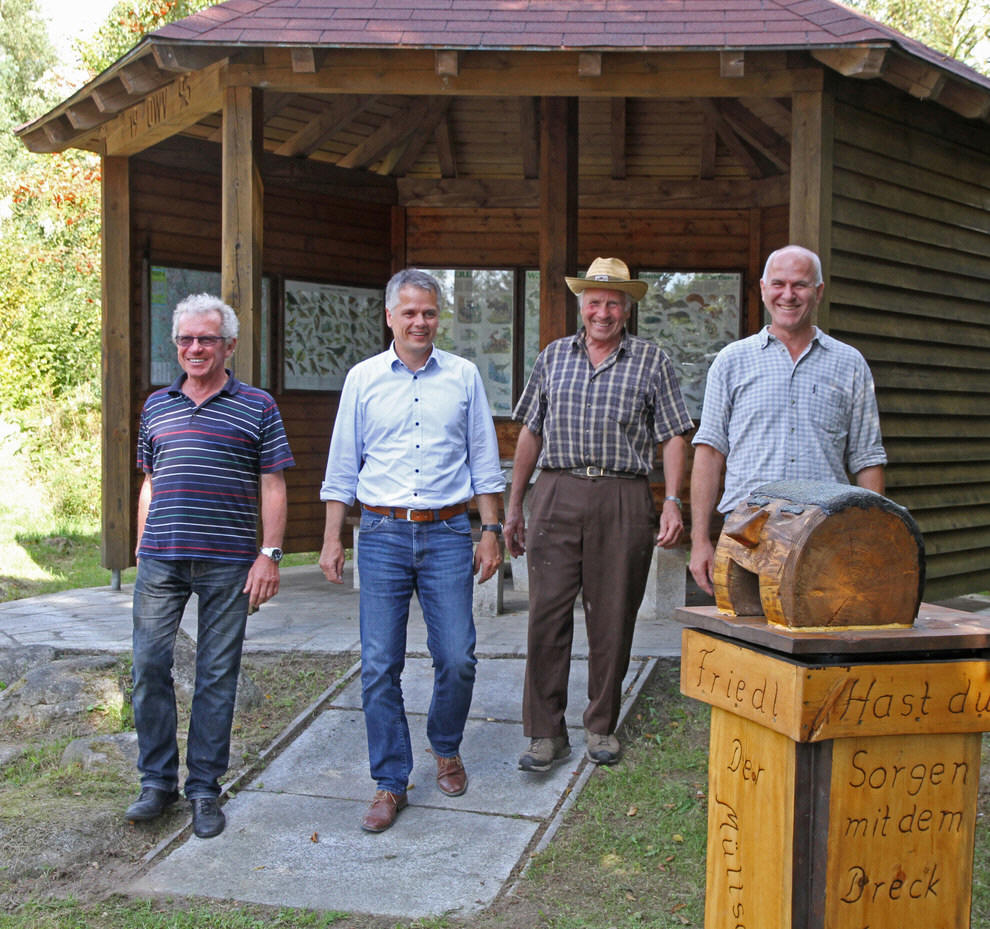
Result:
pixel 814 555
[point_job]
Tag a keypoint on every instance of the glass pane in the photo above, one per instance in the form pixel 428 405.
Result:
pixel 328 329
pixel 476 322
pixel 691 314
pixel 531 323
pixel 169 286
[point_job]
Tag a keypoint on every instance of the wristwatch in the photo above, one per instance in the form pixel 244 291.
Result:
pixel 274 553
pixel 492 527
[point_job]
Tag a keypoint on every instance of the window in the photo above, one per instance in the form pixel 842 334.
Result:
pixel 691 315
pixel 168 287
pixel 478 321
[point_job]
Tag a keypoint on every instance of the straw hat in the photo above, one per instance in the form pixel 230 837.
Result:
pixel 608 274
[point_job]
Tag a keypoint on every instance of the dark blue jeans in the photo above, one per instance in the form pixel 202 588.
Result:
pixel 161 591
pixel 434 560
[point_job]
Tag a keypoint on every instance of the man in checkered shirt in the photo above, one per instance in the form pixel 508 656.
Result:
pixel 595 408
pixel 788 403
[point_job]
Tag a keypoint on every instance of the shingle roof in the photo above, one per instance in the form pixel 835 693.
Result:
pixel 543 24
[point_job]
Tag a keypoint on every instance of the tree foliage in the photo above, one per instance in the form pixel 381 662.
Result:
pixel 959 28
pixel 128 22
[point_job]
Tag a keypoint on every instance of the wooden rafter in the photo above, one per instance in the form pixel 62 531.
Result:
pixel 732 141
pixel 756 132
pixel 336 114
pixel 416 141
pixel 390 134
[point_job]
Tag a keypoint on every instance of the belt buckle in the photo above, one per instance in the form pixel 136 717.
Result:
pixel 593 471
pixel 420 516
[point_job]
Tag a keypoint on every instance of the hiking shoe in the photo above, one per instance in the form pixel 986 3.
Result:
pixel 543 753
pixel 602 749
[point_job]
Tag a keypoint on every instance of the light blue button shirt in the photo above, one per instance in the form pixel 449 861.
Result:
pixel 779 419
pixel 419 439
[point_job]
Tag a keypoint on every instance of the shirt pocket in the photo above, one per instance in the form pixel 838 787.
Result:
pixel 830 408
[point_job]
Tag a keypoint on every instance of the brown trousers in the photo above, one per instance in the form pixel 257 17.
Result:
pixel 595 537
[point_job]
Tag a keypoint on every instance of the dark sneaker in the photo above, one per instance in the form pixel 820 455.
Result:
pixel 602 749
pixel 208 819
pixel 544 753
pixel 150 804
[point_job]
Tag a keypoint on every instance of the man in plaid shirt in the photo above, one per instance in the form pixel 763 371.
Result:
pixel 596 405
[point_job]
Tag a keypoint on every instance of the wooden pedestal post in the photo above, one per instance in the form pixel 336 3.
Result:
pixel 844 770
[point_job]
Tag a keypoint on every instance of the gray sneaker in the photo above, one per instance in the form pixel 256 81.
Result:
pixel 544 753
pixel 602 749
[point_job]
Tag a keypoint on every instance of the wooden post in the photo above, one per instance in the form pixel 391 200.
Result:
pixel 842 783
pixel 812 123
pixel 242 223
pixel 118 504
pixel 558 216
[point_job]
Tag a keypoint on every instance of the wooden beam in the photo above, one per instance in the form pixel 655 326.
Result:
pixel 511 73
pixel 242 212
pixel 590 64
pixel 143 76
pixel 618 137
pixel 732 63
pixel 304 60
pixel 558 211
pixel 964 99
pixel 118 510
pixel 448 63
pixel 866 61
pixel 112 97
pixel 921 80
pixel 338 112
pixel 388 135
pixel 85 114
pixel 418 139
pixel 169 110
pixel 735 145
pixel 812 142
pixel 529 135
pixel 445 149
pixel 183 58
pixel 761 136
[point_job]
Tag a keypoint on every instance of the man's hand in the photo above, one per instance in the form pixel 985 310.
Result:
pixel 514 531
pixel 332 560
pixel 671 524
pixel 487 556
pixel 702 564
pixel 262 582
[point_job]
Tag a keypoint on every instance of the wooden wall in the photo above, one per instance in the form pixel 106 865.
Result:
pixel 344 239
pixel 910 287
pixel 176 220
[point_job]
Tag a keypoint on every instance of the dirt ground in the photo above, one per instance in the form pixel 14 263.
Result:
pixel 62 828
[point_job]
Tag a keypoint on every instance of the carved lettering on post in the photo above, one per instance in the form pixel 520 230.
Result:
pixel 902 823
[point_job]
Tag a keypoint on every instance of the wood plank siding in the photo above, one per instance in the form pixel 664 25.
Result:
pixel 910 287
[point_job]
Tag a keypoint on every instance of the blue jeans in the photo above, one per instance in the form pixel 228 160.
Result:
pixel 161 591
pixel 396 558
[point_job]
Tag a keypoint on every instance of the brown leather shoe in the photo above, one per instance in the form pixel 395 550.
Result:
pixel 451 776
pixel 385 806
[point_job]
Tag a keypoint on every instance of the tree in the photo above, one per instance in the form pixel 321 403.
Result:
pixel 128 22
pixel 959 28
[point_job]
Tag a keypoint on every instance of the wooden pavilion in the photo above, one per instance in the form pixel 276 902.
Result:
pixel 293 153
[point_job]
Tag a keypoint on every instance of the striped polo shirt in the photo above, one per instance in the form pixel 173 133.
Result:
pixel 205 463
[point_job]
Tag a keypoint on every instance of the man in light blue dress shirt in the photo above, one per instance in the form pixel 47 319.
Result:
pixel 414 442
pixel 788 403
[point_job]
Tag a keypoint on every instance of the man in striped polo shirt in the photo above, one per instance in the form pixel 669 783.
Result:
pixel 209 446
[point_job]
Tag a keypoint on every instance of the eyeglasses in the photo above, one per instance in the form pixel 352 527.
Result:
pixel 207 341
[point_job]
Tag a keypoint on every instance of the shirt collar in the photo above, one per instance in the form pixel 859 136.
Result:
pixel 578 339
pixel 766 337
pixel 395 362
pixel 232 386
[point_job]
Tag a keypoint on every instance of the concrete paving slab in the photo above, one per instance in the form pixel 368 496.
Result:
pixel 330 760
pixel 279 851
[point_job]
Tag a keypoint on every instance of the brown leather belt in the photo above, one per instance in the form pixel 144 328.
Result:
pixel 418 516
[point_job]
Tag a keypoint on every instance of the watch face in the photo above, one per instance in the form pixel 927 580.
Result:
pixel 274 553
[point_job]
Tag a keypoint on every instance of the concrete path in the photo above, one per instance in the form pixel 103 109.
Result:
pixel 293 836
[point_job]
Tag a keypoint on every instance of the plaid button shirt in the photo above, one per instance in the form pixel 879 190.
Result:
pixel 611 416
